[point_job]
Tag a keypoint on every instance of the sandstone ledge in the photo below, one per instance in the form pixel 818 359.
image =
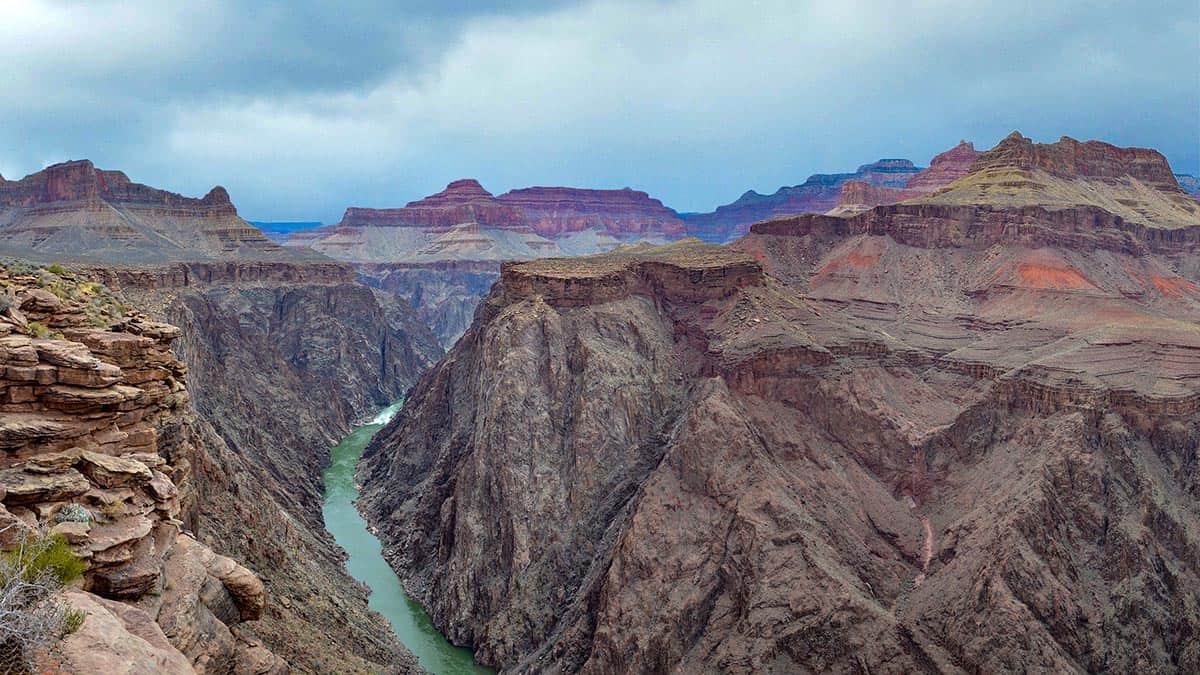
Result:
pixel 686 271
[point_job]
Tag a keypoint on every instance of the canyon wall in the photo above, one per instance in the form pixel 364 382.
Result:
pixel 101 447
pixel 284 360
pixel 940 436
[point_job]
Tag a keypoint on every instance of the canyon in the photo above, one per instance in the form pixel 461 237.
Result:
pixel 938 420
pixel 956 433
pixel 284 351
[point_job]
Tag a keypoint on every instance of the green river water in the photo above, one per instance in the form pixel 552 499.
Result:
pixel 366 562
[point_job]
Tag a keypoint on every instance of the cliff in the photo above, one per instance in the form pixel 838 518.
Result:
pixel 939 436
pixel 261 328
pixel 258 339
pixel 96 432
pixel 624 214
pixel 1134 183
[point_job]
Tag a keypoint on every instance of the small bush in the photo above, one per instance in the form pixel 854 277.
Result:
pixel 114 510
pixel 46 555
pixel 38 330
pixel 33 616
pixel 57 269
pixel 73 513
pixel 72 621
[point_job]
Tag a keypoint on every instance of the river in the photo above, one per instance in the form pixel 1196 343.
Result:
pixel 366 562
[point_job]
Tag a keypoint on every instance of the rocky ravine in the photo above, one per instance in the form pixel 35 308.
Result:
pixel 96 417
pixel 939 437
pixel 285 352
pixel 284 360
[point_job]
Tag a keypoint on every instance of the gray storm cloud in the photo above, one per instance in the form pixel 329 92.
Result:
pixel 301 109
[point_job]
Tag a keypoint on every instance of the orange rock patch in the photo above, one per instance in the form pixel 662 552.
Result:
pixel 1057 278
pixel 1175 286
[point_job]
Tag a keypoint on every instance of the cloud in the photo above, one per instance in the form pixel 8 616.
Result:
pixel 301 111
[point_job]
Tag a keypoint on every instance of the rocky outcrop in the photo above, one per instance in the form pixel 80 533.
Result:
pixel 624 214
pixel 944 169
pixel 857 196
pixel 93 401
pixel 75 211
pixel 933 437
pixel 1133 183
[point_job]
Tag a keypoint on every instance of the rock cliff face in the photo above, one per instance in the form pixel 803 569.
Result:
pixel 818 194
pixel 945 168
pixel 98 443
pixel 444 295
pixel 441 253
pixel 621 214
pixel 284 359
pixel 940 436
pixel 74 210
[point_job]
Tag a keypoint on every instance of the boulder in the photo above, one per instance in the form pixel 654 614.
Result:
pixel 40 301
pixel 108 471
pixel 117 639
pixel 27 487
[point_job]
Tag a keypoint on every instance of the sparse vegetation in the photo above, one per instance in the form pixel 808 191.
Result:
pixel 32 615
pixel 38 329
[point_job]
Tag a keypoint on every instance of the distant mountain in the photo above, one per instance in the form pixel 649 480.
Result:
pixel 818 194
pixel 278 231
pixel 73 210
pixel 1190 184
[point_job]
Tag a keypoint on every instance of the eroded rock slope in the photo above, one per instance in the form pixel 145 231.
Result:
pixel 958 435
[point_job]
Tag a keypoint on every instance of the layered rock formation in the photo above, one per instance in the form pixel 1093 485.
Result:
pixel 441 253
pixel 444 295
pixel 94 429
pixel 1135 184
pixel 941 436
pixel 554 212
pixel 74 210
pixel 818 194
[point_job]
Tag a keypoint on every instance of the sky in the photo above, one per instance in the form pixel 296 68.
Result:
pixel 302 108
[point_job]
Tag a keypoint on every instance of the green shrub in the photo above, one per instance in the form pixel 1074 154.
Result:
pixel 72 621
pixel 46 555
pixel 38 329
pixel 57 269
pixel 33 614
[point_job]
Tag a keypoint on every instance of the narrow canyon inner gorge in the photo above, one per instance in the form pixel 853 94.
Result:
pixel 495 348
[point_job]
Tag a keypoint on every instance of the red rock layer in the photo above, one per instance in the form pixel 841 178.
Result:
pixel 947 167
pixel 943 170
pixel 81 181
pixel 554 211
pixel 1068 157
pixel 463 201
pixel 857 195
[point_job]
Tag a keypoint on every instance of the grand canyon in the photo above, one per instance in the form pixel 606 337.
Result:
pixel 599 337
